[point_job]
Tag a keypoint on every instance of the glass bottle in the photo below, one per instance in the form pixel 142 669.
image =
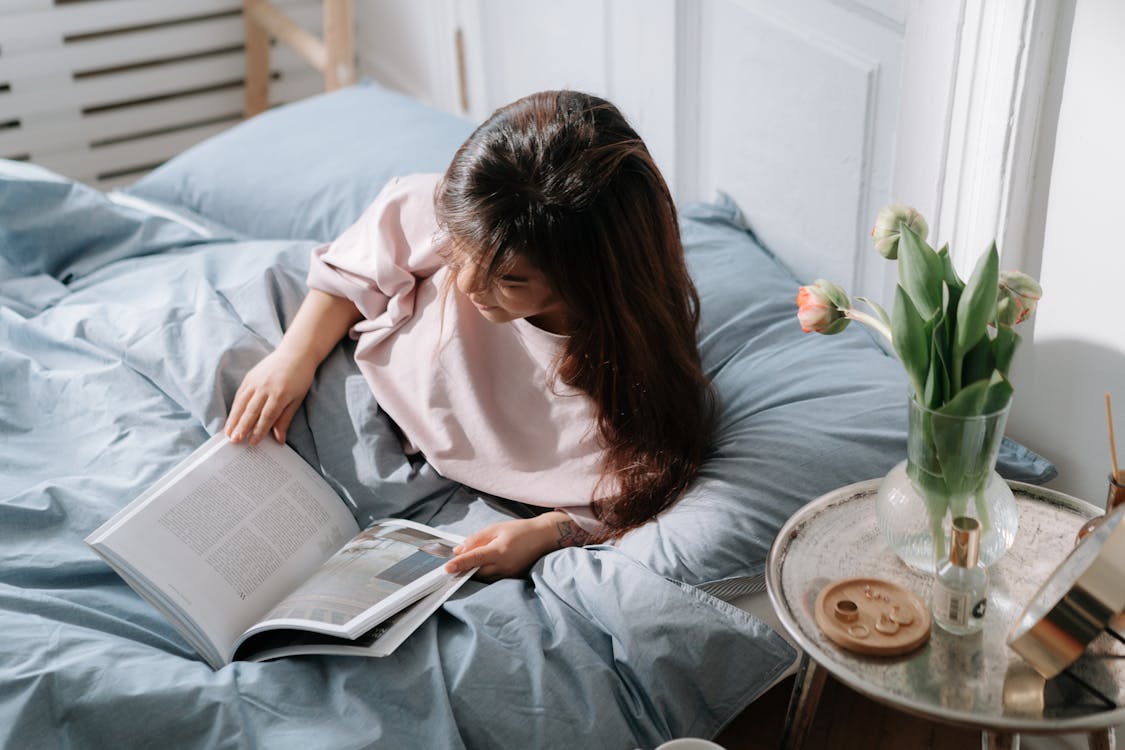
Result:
pixel 961 588
pixel 1116 498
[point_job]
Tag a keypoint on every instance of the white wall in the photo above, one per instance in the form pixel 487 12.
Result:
pixel 409 47
pixel 1077 349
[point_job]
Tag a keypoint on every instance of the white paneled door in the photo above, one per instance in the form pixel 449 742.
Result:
pixel 798 104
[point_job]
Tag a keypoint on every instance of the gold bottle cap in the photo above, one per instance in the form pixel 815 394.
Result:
pixel 964 544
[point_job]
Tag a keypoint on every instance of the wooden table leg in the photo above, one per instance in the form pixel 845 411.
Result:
pixel 1102 739
pixel 803 701
pixel 999 741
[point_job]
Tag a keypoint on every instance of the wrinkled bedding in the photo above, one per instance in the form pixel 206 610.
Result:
pixel 122 339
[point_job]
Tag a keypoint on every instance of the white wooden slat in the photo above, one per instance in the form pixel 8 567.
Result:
pixel 107 15
pixel 133 47
pixel 86 164
pixel 138 84
pixel 120 122
pixel 150 116
pixel 24 6
pixel 126 48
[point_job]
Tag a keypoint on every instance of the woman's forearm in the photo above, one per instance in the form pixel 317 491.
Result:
pixel 320 323
pixel 564 531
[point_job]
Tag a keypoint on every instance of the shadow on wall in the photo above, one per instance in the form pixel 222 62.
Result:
pixel 1059 410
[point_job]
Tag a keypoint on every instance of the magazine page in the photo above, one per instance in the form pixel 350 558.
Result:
pixel 225 536
pixel 381 640
pixel 381 570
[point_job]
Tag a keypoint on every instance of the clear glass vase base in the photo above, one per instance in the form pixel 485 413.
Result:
pixel 904 520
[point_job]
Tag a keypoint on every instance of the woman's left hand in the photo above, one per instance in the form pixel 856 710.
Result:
pixel 507 549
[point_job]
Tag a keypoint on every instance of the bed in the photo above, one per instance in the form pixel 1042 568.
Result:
pixel 126 324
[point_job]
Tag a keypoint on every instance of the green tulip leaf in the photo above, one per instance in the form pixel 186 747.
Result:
pixel 1004 347
pixel 920 273
pixel 978 362
pixel 911 340
pixel 999 393
pixel 959 443
pixel 977 303
pixel 939 366
pixel 968 402
pixel 952 280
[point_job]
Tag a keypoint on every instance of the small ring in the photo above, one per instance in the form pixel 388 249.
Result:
pixel 859 631
pixel 846 610
pixel 886 625
pixel 902 616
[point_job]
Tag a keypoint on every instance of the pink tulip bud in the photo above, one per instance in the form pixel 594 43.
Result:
pixel 887 230
pixel 821 306
pixel 1016 297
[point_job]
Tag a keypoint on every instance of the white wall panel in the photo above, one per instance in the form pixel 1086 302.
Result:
pixel 625 50
pixel 531 45
pixel 643 61
pixel 797 111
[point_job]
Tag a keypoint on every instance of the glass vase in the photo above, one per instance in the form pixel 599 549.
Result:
pixel 949 471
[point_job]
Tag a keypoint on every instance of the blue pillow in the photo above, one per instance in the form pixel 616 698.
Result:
pixel 308 169
pixel 798 414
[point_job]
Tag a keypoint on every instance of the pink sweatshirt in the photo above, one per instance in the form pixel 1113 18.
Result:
pixel 476 398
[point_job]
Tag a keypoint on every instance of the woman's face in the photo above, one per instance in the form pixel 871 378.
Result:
pixel 522 292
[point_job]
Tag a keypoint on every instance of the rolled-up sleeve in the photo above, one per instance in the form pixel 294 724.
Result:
pixel 377 261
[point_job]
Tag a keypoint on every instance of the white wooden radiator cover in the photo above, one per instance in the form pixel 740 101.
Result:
pixel 105 90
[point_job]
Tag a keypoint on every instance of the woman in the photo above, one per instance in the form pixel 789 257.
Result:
pixel 528 322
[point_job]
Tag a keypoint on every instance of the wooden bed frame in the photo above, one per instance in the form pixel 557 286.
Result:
pixel 333 54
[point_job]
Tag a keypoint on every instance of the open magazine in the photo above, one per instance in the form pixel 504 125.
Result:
pixel 251 555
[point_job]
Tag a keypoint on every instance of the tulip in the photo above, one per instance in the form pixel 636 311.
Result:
pixel 887 229
pixel 1016 297
pixel 821 306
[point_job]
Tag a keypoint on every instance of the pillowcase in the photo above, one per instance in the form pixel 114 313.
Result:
pixel 308 169
pixel 798 414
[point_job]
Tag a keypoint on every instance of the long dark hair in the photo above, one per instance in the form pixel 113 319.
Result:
pixel 561 179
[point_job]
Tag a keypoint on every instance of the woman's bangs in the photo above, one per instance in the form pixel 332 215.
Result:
pixel 490 254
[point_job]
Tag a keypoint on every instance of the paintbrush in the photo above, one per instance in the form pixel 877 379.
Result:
pixel 1112 442
pixel 1116 479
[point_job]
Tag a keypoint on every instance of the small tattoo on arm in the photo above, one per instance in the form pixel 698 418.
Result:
pixel 571 534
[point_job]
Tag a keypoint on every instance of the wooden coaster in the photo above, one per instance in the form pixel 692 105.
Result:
pixel 872 616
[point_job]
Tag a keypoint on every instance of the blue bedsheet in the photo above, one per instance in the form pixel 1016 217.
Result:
pixel 122 339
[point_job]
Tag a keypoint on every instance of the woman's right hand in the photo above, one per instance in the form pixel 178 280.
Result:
pixel 269 397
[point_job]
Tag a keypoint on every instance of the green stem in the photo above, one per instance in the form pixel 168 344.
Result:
pixel 937 530
pixel 982 509
pixel 870 321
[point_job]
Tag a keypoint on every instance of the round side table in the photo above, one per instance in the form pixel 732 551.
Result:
pixel 974 681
